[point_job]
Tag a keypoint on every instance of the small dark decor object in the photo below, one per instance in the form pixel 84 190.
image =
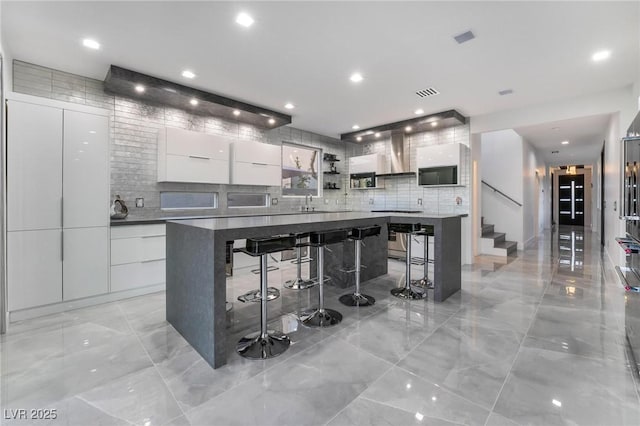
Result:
pixel 119 209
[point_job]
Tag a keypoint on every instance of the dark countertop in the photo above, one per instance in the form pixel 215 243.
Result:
pixel 163 219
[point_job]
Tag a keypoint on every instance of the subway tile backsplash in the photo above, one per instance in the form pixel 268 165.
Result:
pixel 134 130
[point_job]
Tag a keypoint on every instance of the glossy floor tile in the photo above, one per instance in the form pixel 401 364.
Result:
pixel 537 339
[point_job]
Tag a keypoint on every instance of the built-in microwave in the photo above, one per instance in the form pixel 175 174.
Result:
pixel 443 175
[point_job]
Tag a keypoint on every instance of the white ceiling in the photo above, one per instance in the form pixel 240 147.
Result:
pixel 304 52
pixel 585 135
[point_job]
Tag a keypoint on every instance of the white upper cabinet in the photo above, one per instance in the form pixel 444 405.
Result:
pixel 440 155
pixel 186 156
pixel 256 163
pixel 371 163
pixel 86 170
pixel 34 167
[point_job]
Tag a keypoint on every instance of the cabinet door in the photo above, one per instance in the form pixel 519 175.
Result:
pixel 85 170
pixel 257 152
pixel 136 275
pixel 138 249
pixel 34 268
pixel 186 143
pixel 196 170
pixel 256 174
pixel 85 268
pixel 34 167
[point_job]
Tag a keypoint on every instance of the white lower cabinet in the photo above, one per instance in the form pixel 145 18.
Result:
pixel 137 256
pixel 136 275
pixel 34 268
pixel 85 266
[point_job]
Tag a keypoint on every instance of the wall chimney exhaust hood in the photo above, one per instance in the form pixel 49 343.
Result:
pixel 154 90
pixel 398 131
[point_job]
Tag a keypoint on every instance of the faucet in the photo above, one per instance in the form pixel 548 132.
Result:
pixel 307 199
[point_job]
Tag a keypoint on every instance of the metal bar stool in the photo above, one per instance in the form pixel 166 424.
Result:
pixel 299 283
pixel 425 282
pixel 322 317
pixel 407 292
pixel 357 298
pixel 265 343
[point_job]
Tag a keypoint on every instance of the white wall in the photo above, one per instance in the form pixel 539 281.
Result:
pixel 502 154
pixel 533 174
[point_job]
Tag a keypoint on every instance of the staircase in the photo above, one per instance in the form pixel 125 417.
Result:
pixel 495 244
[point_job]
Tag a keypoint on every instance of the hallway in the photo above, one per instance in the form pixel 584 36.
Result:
pixel 539 340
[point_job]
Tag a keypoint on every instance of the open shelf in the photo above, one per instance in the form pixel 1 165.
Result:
pixel 331 189
pixel 331 173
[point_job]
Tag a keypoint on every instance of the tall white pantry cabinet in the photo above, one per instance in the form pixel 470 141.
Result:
pixel 57 202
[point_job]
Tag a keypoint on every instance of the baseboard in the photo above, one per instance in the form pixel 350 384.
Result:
pixel 56 308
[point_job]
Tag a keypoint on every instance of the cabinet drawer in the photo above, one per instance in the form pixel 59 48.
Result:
pixel 186 143
pixel 257 152
pixel 139 249
pixel 195 169
pixel 135 275
pixel 130 231
pixel 256 174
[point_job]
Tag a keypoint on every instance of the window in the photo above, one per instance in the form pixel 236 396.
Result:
pixel 247 199
pixel 300 165
pixel 188 200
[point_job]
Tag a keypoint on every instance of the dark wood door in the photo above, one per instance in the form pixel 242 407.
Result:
pixel 571 200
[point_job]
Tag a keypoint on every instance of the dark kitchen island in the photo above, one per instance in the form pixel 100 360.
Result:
pixel 196 255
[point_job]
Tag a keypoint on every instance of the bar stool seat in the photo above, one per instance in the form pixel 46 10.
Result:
pixel 322 317
pixel 357 298
pixel 264 343
pixel 407 292
pixel 300 283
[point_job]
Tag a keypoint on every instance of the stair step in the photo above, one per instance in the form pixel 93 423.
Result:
pixel 495 236
pixel 487 229
pixel 510 246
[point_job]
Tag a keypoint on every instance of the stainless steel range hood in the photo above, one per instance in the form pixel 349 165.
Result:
pixel 400 156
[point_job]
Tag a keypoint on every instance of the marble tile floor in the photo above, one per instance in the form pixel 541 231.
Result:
pixel 537 339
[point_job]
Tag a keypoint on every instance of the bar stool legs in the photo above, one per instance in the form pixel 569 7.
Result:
pixel 425 282
pixel 321 317
pixel 299 283
pixel 357 298
pixel 265 343
pixel 407 292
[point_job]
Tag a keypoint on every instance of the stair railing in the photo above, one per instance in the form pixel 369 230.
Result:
pixel 502 193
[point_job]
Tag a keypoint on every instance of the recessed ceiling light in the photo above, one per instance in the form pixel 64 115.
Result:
pixel 377 135
pixel 272 121
pixel 565 142
pixel 408 129
pixel 193 102
pixel 91 44
pixel 359 138
pixel 418 111
pixel 139 88
pixel 601 55
pixel 289 105
pixel 356 77
pixel 244 19
pixel 236 112
pixel 188 74
pixel 434 123
pixel 355 127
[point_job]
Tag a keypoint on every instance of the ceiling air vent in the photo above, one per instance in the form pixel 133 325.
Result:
pixel 555 152
pixel 505 92
pixel 425 93
pixel 464 37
